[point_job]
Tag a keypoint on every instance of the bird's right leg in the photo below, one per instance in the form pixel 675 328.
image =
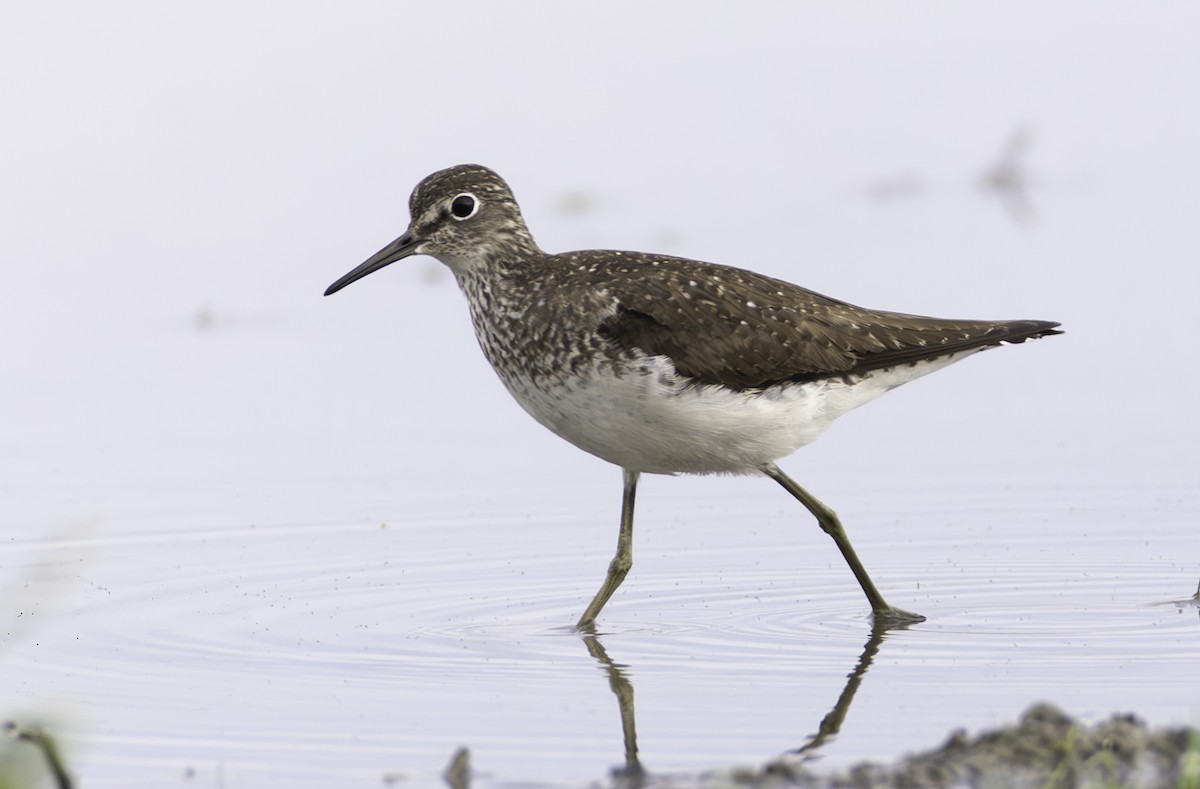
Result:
pixel 618 568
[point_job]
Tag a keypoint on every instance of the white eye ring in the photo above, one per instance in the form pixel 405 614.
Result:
pixel 464 206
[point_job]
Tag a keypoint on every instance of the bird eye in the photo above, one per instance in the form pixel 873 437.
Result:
pixel 464 206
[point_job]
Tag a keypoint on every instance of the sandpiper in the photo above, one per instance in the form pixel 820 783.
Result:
pixel 664 365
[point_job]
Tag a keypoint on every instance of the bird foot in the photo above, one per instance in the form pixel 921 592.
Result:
pixel 892 617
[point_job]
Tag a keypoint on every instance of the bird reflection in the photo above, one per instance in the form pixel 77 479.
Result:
pixel 633 775
pixel 831 724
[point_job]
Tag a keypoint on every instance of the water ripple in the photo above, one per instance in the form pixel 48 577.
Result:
pixel 360 595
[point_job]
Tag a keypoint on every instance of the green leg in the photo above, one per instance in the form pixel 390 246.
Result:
pixel 618 568
pixel 885 615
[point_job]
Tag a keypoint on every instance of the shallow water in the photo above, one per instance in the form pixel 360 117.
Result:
pixel 339 653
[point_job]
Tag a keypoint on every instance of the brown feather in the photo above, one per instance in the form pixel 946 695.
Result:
pixel 733 327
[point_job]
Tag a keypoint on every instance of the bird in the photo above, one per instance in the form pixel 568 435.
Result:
pixel 665 365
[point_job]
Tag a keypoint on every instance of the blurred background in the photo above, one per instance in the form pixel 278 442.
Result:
pixel 179 182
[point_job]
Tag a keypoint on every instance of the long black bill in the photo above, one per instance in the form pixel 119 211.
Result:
pixel 400 248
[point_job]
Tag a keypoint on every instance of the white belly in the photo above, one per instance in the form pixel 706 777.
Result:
pixel 651 422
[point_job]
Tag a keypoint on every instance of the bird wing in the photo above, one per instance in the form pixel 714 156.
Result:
pixel 733 327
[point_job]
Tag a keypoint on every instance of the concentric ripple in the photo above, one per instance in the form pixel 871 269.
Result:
pixel 363 593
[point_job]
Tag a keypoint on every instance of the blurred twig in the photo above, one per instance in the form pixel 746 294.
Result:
pixel 39 739
pixel 1008 179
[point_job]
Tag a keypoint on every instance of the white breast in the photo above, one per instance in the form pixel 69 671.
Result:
pixel 650 420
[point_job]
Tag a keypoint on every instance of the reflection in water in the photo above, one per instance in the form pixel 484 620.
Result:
pixel 831 724
pixel 622 688
pixel 634 775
